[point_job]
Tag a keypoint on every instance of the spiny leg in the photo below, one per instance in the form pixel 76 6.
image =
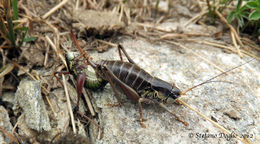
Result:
pixel 108 74
pixel 120 47
pixel 81 78
pixel 128 91
pixel 164 107
pixel 141 110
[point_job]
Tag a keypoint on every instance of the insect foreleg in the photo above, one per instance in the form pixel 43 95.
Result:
pixel 141 110
pixel 108 74
pixel 81 78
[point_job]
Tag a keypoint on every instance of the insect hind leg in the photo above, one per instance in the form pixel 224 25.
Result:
pixel 121 48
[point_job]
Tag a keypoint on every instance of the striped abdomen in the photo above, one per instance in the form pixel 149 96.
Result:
pixel 129 74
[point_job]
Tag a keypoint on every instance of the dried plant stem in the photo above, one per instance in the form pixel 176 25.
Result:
pixel 18 121
pixel 226 47
pixel 69 104
pixel 196 18
pixel 90 107
pixel 43 88
pixel 108 43
pixel 230 27
pixel 46 56
pixel 235 44
pixel 55 49
pixel 6 69
pixel 54 9
pixel 9 135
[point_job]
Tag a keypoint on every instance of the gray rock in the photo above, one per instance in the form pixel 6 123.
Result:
pixel 5 124
pixel 28 97
pixel 185 70
pixel 8 99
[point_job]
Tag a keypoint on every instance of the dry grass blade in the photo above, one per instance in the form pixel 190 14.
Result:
pixel 43 88
pixel 250 43
pixel 54 9
pixel 108 43
pixel 230 26
pixel 228 48
pixel 18 122
pixel 6 69
pixel 93 122
pixel 9 135
pixel 90 107
pixel 214 123
pixel 235 44
pixel 4 31
pixel 196 18
pixel 55 49
pixel 69 104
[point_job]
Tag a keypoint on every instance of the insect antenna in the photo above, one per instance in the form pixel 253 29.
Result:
pixel 210 80
pixel 204 116
pixel 84 54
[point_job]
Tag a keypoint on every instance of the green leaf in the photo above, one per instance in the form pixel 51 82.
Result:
pixel 243 8
pixel 15 9
pixel 240 20
pixel 231 17
pixel 239 2
pixel 11 35
pixel 29 39
pixel 252 4
pixel 24 29
pixel 255 15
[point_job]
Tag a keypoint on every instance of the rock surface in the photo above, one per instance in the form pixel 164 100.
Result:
pixel 5 124
pixel 28 97
pixel 215 100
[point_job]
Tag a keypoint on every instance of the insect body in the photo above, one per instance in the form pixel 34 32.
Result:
pixel 127 77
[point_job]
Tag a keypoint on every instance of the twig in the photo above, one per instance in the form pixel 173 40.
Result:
pixel 16 124
pixel 250 43
pixel 6 69
pixel 127 13
pixel 108 43
pixel 235 44
pixel 230 26
pixel 43 88
pixel 55 49
pixel 9 135
pixel 90 107
pixel 195 18
pixel 56 31
pixel 46 56
pixel 54 9
pixel 122 7
pixel 69 104
pixel 228 48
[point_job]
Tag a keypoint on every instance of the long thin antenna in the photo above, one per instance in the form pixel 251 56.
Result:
pixel 209 80
pixel 84 54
